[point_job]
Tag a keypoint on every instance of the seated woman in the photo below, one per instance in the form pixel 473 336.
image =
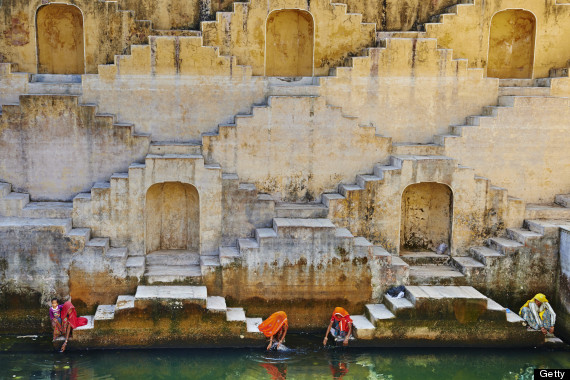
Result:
pixel 340 326
pixel 275 327
pixel 538 313
pixel 69 321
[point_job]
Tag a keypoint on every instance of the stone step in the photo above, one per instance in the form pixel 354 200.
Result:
pixel 173 257
pixel 48 210
pixel 252 325
pixel 522 235
pixel 62 226
pixel 172 273
pixel 424 258
pixel 378 312
pixel 118 254
pixel 13 204
pixel 418 149
pixel 46 88
pixel 296 226
pixel 548 228
pixel 229 255
pixel 504 246
pixel 98 246
pixel 125 302
pixel 400 307
pixel 209 262
pixel 55 78
pixel 524 91
pixel 171 292
pixel 433 302
pixel 551 211
pixel 167 147
pixel 104 312
pixel 235 314
pixel 5 189
pixel 90 323
pixel 435 275
pixel 135 266
pixel 469 266
pixel 216 304
pixel 562 200
pixel 485 255
pixel 513 317
pixel 301 210
pixel 517 82
pixel 363 328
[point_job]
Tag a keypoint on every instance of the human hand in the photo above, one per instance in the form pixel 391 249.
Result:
pixel 543 330
pixel 551 330
pixel 345 342
pixel 268 346
pixel 325 341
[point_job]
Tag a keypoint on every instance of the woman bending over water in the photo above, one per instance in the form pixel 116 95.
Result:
pixel 275 327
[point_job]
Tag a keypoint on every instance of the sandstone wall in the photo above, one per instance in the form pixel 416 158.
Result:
pixel 241 33
pixel 106 32
pixel 524 148
pixel 468 33
pixel 35 256
pixel 53 148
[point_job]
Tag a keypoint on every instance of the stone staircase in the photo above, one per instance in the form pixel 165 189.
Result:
pixel 130 312
pixel 108 203
pixel 444 306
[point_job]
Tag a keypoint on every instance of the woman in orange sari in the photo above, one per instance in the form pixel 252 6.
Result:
pixel 69 321
pixel 275 326
pixel 340 326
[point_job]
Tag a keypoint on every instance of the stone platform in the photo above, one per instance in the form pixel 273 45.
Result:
pixel 185 316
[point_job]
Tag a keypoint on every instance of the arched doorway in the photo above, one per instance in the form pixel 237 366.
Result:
pixel 289 44
pixel 511 44
pixel 59 29
pixel 172 212
pixel 427 209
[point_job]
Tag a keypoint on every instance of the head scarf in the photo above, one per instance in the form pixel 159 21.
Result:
pixel 273 324
pixel 538 297
pixel 343 318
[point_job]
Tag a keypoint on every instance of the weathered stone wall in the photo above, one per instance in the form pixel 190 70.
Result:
pixel 563 316
pixel 119 211
pixel 295 156
pixel 35 255
pixel 242 32
pixel 536 126
pixel 168 14
pixel 468 33
pixel 106 32
pixel 375 212
pixel 53 148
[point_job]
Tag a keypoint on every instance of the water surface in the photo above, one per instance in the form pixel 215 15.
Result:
pixel 28 358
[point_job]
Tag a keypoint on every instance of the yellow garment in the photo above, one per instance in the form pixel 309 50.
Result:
pixel 539 297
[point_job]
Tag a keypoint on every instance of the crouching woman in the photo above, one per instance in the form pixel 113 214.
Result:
pixel 539 315
pixel 275 327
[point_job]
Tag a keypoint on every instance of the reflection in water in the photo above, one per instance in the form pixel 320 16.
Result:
pixel 21 359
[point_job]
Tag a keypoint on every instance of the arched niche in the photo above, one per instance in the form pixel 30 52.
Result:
pixel 289 43
pixel 60 40
pixel 511 44
pixel 427 210
pixel 172 213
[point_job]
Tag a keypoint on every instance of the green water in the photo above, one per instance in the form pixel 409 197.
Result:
pixel 28 358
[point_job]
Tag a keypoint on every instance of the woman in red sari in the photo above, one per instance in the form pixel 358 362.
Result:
pixel 69 321
pixel 340 326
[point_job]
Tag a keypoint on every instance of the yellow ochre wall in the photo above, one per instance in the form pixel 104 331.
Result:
pixel 107 32
pixel 468 33
pixel 242 32
pixel 60 40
